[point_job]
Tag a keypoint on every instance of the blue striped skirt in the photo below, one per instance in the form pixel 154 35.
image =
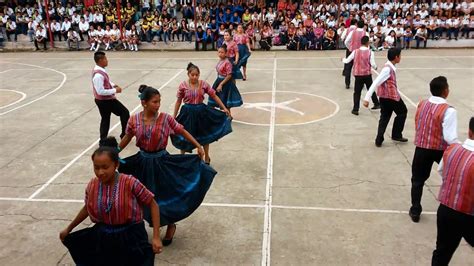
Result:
pixel 105 244
pixel 230 95
pixel 179 182
pixel 236 73
pixel 204 123
pixel 244 55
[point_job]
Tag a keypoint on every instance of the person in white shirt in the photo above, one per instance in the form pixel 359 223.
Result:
pixel 98 18
pixel 388 5
pixel 56 29
pixel 465 27
pixel 93 38
pixel 11 29
pixel 441 27
pixel 31 29
pixel 421 36
pixel 83 28
pixel 423 13
pixel 399 31
pixel 467 7
pixel 72 38
pixel 407 38
pixel 353 6
pixel 40 37
pixel 61 11
pixel 104 93
pixel 447 8
pixel 108 33
pixel 65 27
pixel 367 5
pixel 453 27
pixel 99 33
pixel 75 19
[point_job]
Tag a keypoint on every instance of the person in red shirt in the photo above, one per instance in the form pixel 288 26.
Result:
pixel 455 217
pixel 114 202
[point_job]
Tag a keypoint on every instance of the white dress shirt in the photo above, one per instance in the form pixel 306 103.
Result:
pixel 98 81
pixel 362 48
pixel 381 78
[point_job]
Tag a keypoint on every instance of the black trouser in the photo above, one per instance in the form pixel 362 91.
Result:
pixel 43 42
pixel 423 160
pixel 387 107
pixel 106 107
pixel 452 226
pixel 358 86
pixel 347 69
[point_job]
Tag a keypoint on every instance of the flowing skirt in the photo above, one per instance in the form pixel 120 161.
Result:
pixel 124 245
pixel 236 73
pixel 244 55
pixel 179 182
pixel 230 95
pixel 204 123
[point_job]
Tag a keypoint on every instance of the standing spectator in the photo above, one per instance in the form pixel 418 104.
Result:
pixel 421 36
pixel 40 37
pixel 72 38
pixel 408 37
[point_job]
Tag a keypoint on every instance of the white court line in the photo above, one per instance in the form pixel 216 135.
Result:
pixel 23 96
pixel 5 71
pixel 295 124
pixel 91 146
pixel 267 223
pixel 231 205
pixel 42 97
pixel 401 93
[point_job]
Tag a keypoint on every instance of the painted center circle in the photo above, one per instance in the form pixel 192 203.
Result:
pixel 9 97
pixel 291 108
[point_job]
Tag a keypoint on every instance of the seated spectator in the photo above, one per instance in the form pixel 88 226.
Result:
pixel 65 26
pixel 156 30
pixel 83 28
pixel 329 40
pixel 56 30
pixel 453 27
pixel 40 37
pixel 208 39
pixel 465 27
pixel 186 34
pixel 266 37
pixel 200 35
pixel 390 40
pixel 72 39
pixel 145 33
pixel 175 29
pixel 421 36
pixel 11 29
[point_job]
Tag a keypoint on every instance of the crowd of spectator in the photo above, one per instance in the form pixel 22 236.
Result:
pixel 300 25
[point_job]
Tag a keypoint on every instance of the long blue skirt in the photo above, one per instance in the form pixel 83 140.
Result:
pixel 244 55
pixel 230 95
pixel 236 73
pixel 103 244
pixel 204 123
pixel 179 182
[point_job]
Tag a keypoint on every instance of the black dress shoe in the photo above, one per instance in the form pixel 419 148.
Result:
pixel 400 139
pixel 414 217
pixel 354 112
pixel 347 87
pixel 375 107
pixel 378 144
pixel 167 242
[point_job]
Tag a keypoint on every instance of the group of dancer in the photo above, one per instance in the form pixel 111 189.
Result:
pixel 436 140
pixel 152 185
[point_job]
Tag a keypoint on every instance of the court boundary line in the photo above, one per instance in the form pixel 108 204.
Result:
pixel 267 222
pixel 23 96
pixel 43 96
pixel 213 59
pixel 232 205
pixel 67 166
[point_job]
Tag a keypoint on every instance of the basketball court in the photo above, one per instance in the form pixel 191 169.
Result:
pixel 300 181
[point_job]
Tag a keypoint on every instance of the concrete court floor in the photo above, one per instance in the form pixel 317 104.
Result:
pixel 316 193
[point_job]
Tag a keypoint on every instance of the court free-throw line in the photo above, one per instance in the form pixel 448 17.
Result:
pixel 91 146
pixel 42 97
pixel 267 223
pixel 231 205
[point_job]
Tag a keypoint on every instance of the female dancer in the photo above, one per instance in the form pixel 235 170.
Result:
pixel 225 85
pixel 205 124
pixel 243 43
pixel 179 182
pixel 114 203
pixel 233 55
